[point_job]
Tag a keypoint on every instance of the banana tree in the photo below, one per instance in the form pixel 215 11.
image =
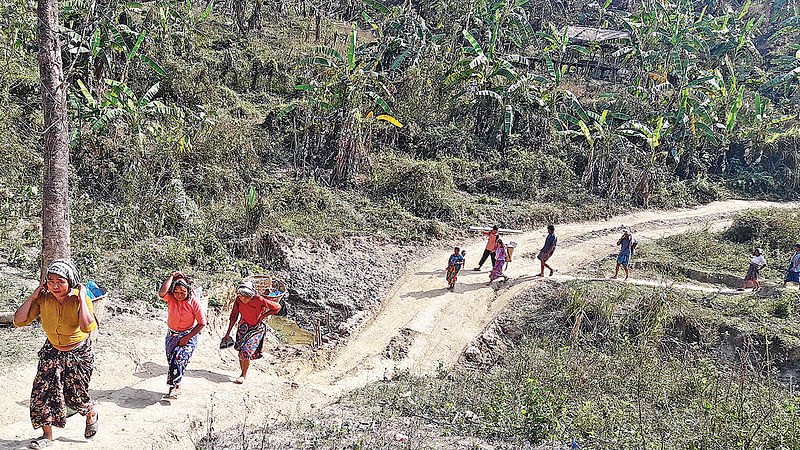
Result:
pixel 652 136
pixel 346 91
pixel 402 38
pixel 787 82
pixel 120 103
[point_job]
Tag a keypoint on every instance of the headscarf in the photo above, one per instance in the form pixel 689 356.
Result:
pixel 182 282
pixel 760 251
pixel 246 289
pixel 65 268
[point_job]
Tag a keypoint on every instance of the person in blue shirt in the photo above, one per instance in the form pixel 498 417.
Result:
pixel 454 264
pixel 627 243
pixel 793 274
pixel 547 251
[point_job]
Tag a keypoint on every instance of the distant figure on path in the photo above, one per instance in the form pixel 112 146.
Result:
pixel 627 244
pixel 793 274
pixel 547 251
pixel 454 265
pixel 500 262
pixel 758 262
pixel 66 361
pixel 489 250
pixel 253 310
pixel 185 320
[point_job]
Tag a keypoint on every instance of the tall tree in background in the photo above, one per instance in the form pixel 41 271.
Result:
pixel 55 191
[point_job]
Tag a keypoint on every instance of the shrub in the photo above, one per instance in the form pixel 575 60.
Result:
pixel 779 228
pixel 522 173
pixel 424 188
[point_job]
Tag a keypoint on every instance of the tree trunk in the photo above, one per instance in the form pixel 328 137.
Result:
pixel 255 19
pixel 55 190
pixel 318 31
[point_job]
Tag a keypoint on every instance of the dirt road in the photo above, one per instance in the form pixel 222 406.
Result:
pixel 435 326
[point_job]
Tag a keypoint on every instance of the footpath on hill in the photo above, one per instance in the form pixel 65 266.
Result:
pixel 433 324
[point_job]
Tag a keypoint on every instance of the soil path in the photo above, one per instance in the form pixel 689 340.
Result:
pixel 425 325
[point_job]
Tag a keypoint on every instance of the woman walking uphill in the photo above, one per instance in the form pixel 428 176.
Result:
pixel 66 360
pixel 500 262
pixel 253 309
pixel 185 320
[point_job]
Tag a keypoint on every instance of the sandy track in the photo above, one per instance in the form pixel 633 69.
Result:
pixel 129 378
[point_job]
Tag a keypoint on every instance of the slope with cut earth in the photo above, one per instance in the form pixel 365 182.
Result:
pixel 421 326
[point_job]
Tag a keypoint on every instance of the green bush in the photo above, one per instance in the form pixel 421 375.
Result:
pixel 424 188
pixel 523 174
pixel 777 228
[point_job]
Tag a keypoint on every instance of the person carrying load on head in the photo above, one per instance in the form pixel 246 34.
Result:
pixel 185 320
pixel 454 264
pixel 793 274
pixel 489 250
pixel 627 244
pixel 253 310
pixel 547 251
pixel 500 262
pixel 756 264
pixel 66 361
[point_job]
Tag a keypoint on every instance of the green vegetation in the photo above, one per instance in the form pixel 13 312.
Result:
pixel 642 367
pixel 212 125
pixel 11 296
pixel 726 255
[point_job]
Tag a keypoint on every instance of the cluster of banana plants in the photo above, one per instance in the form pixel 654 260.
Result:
pixel 692 83
pixel 106 44
pixel 347 95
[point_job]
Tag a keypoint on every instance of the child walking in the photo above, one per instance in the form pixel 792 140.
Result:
pixel 454 265
pixel 500 262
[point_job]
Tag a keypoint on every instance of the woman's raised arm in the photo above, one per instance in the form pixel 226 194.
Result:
pixel 22 314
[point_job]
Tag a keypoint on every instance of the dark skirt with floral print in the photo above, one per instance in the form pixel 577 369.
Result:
pixel 62 380
pixel 250 340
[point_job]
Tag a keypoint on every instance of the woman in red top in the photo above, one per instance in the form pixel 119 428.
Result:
pixel 185 320
pixel 253 309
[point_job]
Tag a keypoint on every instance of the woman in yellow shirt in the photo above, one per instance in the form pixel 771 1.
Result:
pixel 66 360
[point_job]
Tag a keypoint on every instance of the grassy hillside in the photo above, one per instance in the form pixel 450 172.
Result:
pixel 199 130
pixel 600 365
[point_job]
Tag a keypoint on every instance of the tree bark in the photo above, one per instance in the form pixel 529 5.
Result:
pixel 55 190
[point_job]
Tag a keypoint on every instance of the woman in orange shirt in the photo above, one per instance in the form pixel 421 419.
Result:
pixel 66 360
pixel 253 309
pixel 185 320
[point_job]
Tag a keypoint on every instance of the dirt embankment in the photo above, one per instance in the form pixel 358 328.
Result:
pixel 130 369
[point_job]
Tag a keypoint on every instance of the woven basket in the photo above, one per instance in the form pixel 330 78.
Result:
pixel 278 285
pixel 99 307
pixel 510 250
pixel 262 283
